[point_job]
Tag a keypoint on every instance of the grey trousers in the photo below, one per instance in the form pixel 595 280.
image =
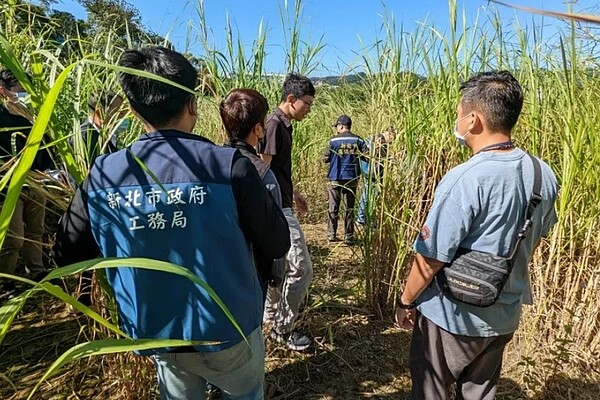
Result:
pixel 283 303
pixel 439 359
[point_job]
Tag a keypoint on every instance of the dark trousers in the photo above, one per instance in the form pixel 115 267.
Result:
pixel 439 359
pixel 336 191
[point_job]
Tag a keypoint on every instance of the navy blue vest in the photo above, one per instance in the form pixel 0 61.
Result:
pixel 189 218
pixel 345 150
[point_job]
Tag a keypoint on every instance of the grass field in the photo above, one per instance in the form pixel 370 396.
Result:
pixel 411 81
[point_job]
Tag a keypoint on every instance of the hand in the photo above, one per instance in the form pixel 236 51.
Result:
pixel 13 105
pixel 405 319
pixel 300 202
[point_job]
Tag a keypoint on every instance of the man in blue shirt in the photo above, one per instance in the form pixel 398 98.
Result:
pixel 343 154
pixel 478 205
pixel 201 206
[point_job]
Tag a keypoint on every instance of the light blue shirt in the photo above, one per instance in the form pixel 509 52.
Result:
pixel 481 205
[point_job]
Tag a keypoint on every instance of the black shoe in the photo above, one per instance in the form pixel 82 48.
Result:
pixel 332 238
pixel 349 241
pixel 293 340
pixel 8 290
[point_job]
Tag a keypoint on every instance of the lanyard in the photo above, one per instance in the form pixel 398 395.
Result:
pixel 497 146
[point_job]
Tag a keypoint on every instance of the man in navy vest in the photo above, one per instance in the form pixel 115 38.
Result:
pixel 343 154
pixel 202 207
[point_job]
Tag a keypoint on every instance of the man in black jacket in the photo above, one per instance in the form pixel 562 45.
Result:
pixel 243 113
pixel 104 110
pixel 26 230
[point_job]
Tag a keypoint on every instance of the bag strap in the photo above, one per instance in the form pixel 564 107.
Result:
pixel 534 201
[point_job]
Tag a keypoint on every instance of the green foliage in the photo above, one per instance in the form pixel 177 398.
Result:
pixel 537 373
pixel 406 79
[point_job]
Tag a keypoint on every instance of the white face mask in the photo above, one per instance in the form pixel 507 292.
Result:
pixel 23 97
pixel 460 138
pixel 123 126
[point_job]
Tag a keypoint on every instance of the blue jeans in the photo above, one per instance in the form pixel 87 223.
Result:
pixel 367 198
pixel 238 371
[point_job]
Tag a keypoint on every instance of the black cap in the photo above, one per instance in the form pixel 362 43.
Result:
pixel 343 120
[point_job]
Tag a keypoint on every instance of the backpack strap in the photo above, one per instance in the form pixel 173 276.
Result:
pixel 534 201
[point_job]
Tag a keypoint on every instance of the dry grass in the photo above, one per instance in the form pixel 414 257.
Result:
pixel 357 355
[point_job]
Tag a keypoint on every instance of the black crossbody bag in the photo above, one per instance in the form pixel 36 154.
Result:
pixel 477 278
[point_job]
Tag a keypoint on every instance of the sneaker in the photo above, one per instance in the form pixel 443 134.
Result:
pixel 294 340
pixel 333 238
pixel 349 241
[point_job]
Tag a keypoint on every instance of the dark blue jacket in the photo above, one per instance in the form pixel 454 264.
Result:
pixel 200 216
pixel 343 155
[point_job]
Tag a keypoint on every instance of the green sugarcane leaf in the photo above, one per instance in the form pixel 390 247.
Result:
pixel 109 346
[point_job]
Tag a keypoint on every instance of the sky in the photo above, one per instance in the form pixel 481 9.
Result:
pixel 342 24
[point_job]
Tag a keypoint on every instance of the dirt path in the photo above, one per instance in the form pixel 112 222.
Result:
pixel 356 355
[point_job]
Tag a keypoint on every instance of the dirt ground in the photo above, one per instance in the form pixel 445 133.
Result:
pixel 356 355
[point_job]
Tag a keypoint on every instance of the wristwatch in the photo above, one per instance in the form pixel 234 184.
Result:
pixel 410 306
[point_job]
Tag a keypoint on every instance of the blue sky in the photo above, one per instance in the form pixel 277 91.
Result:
pixel 341 23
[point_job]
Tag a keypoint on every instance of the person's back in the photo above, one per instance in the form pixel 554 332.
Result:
pixel 480 205
pixel 243 113
pixel 492 191
pixel 133 216
pixel 177 197
pixel 345 152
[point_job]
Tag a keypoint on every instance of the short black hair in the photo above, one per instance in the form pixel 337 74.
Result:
pixel 497 95
pixel 102 100
pixel 157 102
pixel 297 86
pixel 241 110
pixel 8 79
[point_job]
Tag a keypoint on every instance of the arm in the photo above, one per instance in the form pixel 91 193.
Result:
pixel 327 154
pixel 266 158
pixel 261 220
pixel 267 147
pixel 446 226
pixel 421 274
pixel 300 202
pixel 364 150
pixel 74 239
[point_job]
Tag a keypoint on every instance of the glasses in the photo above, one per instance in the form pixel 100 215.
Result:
pixel 308 103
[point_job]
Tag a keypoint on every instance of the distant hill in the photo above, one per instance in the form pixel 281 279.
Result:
pixel 337 80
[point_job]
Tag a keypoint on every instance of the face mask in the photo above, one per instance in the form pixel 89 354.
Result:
pixel 122 127
pixel 23 97
pixel 460 138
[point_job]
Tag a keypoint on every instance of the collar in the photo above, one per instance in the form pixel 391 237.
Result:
pixel 345 134
pixel 284 118
pixel 240 144
pixel 172 133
